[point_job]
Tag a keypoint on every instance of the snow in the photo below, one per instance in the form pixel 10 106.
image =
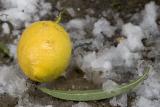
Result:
pixel 102 26
pixel 6 29
pixel 81 104
pixel 119 101
pixel 71 12
pixel 76 24
pixel 100 64
pixel 109 85
pixel 144 102
pixel 76 28
pixel 34 105
pixel 11 81
pixel 151 87
pixel 20 12
pixel 12 50
pixel 149 92
pixel 25 102
pixel 149 24
pixel 125 54
pixel 99 61
pixel 134 36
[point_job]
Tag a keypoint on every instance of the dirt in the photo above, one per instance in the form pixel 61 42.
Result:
pixel 8 101
pixel 74 79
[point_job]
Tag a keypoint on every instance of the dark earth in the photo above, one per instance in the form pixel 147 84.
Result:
pixel 74 78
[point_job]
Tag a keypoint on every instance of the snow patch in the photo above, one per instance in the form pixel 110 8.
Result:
pixel 149 24
pixel 151 87
pixel 24 102
pixel 125 54
pixel 21 12
pixel 134 36
pixel 71 12
pixel 6 29
pixel 103 27
pixel 81 104
pixel 11 81
pixel 109 85
pixel 12 50
pixel 144 102
pixel 119 101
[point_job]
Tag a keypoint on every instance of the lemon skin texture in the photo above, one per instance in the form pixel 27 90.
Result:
pixel 44 51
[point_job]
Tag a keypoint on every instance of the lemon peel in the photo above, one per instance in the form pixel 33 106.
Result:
pixel 44 51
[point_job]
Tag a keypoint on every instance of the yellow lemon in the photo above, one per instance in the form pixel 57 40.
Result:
pixel 44 51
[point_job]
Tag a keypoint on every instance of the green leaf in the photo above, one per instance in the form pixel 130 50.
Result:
pixel 99 94
pixel 4 49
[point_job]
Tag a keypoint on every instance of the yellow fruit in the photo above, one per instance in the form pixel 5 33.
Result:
pixel 44 51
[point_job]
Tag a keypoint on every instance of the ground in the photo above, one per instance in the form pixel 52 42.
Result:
pixel 74 77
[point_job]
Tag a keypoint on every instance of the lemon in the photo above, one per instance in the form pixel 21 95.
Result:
pixel 44 51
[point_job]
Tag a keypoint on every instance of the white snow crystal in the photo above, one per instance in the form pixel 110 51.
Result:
pixel 151 87
pixel 108 58
pixel 119 101
pixel 12 50
pixel 149 24
pixel 88 59
pixel 103 26
pixel 109 85
pixel 125 54
pixel 148 94
pixel 20 12
pixel 6 29
pixel 134 36
pixel 144 102
pixel 71 11
pixel 11 81
pixel 45 8
pixel 81 104
pixel 76 28
pixel 25 102
pixel 76 24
